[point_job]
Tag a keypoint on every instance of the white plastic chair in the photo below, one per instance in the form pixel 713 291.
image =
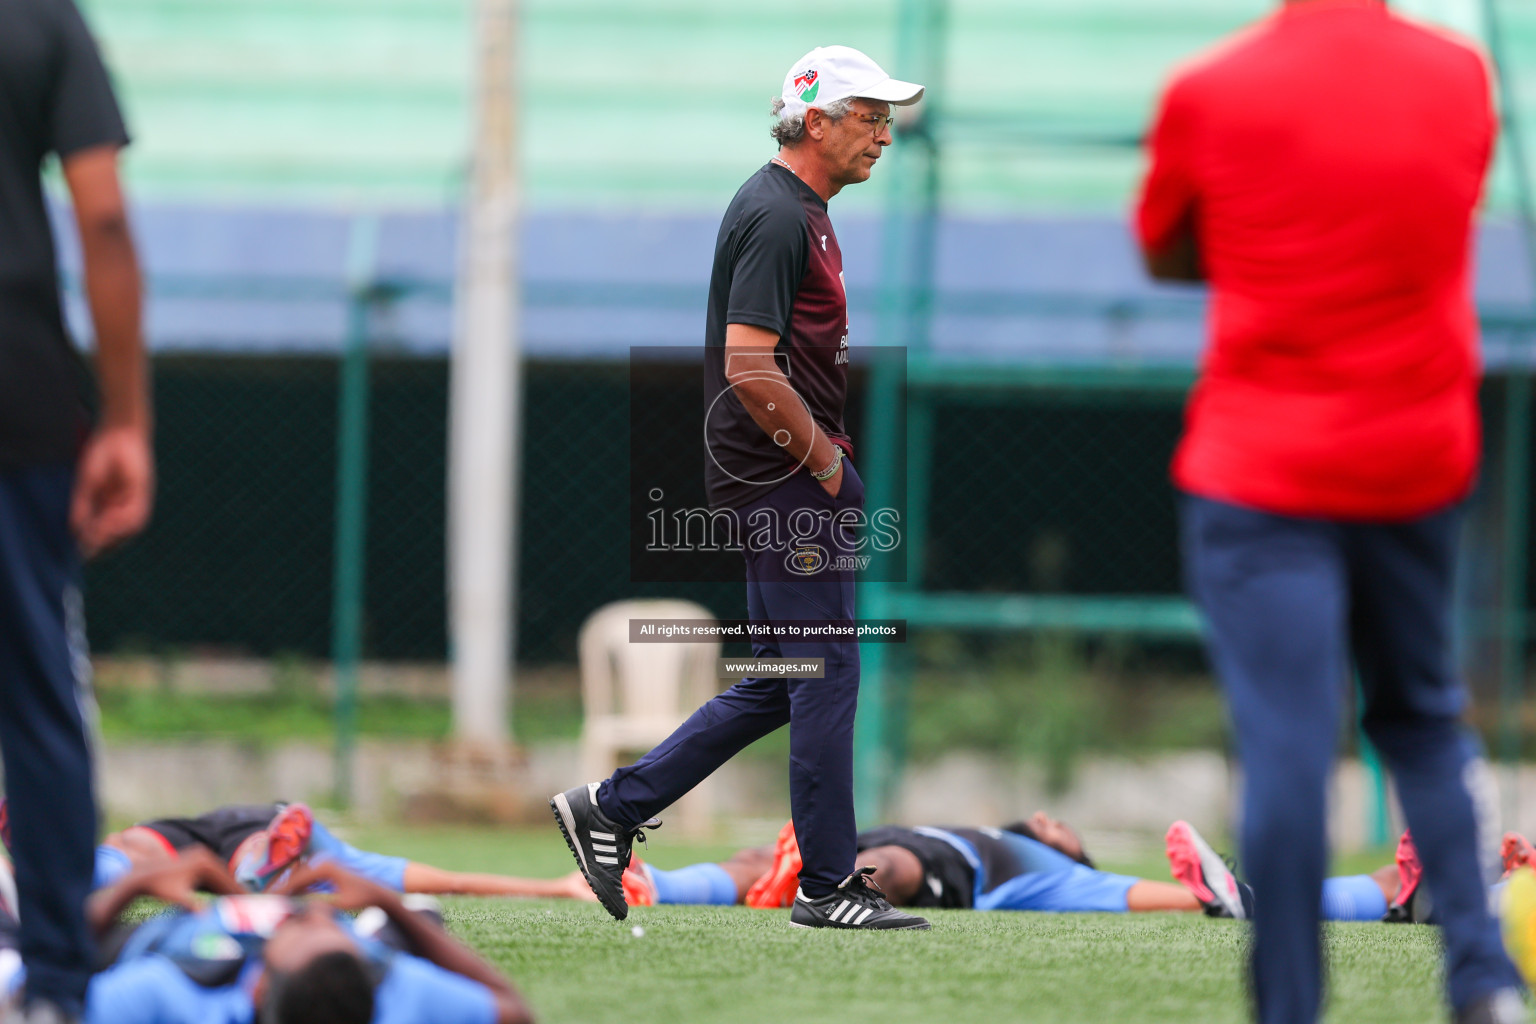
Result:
pixel 635 694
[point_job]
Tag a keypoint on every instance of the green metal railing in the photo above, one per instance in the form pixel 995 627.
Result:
pixel 907 304
pixel 352 498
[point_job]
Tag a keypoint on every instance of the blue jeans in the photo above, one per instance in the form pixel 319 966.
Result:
pixel 1288 604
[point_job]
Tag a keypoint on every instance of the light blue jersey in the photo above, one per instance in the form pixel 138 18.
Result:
pixel 377 867
pixel 153 981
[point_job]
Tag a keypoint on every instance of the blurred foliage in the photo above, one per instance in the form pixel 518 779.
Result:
pixel 1049 700
pixel 1053 698
pixel 294 709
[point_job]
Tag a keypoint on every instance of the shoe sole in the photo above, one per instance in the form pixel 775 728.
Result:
pixel 1194 858
pixel 835 928
pixel 567 823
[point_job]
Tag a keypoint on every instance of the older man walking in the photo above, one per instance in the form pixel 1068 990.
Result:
pixel 66 485
pixel 1320 170
pixel 776 348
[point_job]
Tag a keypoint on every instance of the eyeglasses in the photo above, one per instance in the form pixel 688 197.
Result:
pixel 877 122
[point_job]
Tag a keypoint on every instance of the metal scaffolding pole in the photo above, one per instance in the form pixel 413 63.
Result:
pixel 485 396
pixel 352 499
pixel 906 307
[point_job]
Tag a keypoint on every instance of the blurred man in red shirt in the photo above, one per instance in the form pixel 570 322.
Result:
pixel 1320 170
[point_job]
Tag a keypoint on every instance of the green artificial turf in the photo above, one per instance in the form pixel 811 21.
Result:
pixel 703 964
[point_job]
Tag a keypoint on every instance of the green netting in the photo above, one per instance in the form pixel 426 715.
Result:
pixel 239 561
pixel 1055 494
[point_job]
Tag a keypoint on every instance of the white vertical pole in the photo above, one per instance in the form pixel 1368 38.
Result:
pixel 484 400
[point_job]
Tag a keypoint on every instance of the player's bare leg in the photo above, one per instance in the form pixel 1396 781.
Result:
pixel 1146 896
pixel 1387 878
pixel 424 878
pixel 141 845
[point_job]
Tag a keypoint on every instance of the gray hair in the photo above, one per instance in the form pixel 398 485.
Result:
pixel 787 131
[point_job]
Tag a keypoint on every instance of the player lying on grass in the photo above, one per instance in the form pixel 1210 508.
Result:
pixel 1205 874
pixel 276 958
pixel 1039 864
pixel 260 842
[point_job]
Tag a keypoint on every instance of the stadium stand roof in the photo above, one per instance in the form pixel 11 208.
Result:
pixel 658 104
pixel 264 126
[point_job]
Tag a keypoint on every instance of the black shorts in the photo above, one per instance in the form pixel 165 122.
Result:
pixel 221 830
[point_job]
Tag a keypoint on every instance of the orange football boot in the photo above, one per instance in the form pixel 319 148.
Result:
pixel 639 890
pixel 264 857
pixel 778 885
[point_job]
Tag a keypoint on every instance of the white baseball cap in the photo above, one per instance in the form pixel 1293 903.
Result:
pixel 831 73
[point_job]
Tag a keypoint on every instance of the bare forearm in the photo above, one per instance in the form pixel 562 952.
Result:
pixel 113 289
pixel 103 906
pixel 781 414
pixel 433 943
pixel 171 880
pixel 112 284
pixel 768 397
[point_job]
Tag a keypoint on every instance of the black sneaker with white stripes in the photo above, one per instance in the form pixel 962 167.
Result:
pixel 601 846
pixel 857 903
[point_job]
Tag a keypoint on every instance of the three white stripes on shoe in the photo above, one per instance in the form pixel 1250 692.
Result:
pixel 604 848
pixel 599 849
pixel 844 914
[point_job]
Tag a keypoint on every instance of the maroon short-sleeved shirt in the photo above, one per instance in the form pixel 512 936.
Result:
pixel 778 266
pixel 1328 161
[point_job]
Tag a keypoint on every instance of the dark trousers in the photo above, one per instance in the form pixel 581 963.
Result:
pixel 819 712
pixel 1288 603
pixel 47 757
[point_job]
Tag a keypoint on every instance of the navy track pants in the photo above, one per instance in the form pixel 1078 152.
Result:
pixel 44 677
pixel 819 712
pixel 1288 603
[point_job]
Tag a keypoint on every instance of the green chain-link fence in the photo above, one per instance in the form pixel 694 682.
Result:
pixel 239 559
pixel 1050 492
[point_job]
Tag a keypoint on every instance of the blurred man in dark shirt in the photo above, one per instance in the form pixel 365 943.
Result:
pixel 71 481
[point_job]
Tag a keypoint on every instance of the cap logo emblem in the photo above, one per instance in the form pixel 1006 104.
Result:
pixel 806 85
